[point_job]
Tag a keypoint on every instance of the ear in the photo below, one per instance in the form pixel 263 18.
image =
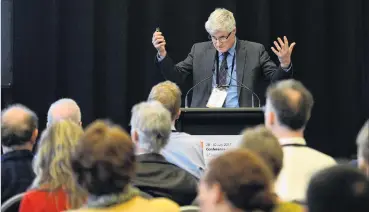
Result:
pixel 80 123
pixel 218 193
pixel 235 30
pixel 34 136
pixel 134 136
pixel 269 118
pixel 178 114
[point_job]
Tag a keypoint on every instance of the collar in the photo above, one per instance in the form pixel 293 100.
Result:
pixel 232 50
pixel 292 140
pixel 17 154
pixel 148 157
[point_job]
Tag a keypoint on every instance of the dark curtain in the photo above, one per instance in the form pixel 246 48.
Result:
pixel 100 54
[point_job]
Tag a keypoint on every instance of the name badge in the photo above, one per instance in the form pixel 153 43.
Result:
pixel 217 98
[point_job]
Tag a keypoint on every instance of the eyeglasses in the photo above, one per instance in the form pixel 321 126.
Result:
pixel 221 39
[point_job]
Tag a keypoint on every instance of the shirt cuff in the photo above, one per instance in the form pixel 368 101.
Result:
pixel 285 69
pixel 160 58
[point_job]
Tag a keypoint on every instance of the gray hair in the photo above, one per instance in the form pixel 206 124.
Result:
pixel 17 132
pixel 152 122
pixel 263 142
pixel 220 20
pixel 362 142
pixel 293 113
pixel 64 109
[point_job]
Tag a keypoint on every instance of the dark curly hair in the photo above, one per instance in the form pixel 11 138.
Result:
pixel 104 160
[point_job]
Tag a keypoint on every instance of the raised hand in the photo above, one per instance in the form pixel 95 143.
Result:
pixel 159 43
pixel 283 51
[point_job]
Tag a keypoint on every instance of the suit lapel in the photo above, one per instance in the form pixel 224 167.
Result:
pixel 209 66
pixel 241 63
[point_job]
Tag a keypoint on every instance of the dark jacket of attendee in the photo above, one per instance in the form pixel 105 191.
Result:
pixel 159 178
pixel 16 173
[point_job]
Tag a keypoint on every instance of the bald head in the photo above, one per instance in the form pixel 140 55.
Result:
pixel 291 102
pixel 18 126
pixel 64 109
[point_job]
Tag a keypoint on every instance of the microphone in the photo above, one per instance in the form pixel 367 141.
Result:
pixel 244 86
pixel 203 80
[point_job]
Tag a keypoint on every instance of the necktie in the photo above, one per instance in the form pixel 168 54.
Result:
pixel 223 70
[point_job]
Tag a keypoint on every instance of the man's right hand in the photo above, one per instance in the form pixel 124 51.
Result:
pixel 159 43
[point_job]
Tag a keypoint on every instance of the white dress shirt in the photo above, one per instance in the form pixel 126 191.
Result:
pixel 300 163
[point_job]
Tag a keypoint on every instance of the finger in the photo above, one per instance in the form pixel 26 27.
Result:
pixel 158 38
pixel 275 51
pixel 277 46
pixel 292 46
pixel 285 40
pixel 157 33
pixel 156 42
pixel 160 45
pixel 280 42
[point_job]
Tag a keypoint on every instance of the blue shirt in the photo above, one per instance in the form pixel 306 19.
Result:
pixel 232 95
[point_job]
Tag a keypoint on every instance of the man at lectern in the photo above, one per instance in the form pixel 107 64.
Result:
pixel 225 69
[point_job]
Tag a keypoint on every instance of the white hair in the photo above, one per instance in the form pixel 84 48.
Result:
pixel 219 21
pixel 152 121
pixel 64 109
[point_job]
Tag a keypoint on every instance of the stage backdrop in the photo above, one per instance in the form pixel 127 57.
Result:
pixel 100 54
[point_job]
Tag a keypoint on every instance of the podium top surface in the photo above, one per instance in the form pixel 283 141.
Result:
pixel 242 109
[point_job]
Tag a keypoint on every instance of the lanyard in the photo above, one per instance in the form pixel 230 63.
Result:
pixel 232 68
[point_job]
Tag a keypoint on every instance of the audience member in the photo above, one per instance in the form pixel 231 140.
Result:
pixel 151 127
pixel 104 164
pixel 260 140
pixel 64 109
pixel 54 188
pixel 19 130
pixel 362 142
pixel 338 189
pixel 288 109
pixel 182 149
pixel 237 180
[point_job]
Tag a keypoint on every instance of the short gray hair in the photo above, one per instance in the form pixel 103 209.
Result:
pixel 19 132
pixel 220 20
pixel 152 121
pixel 362 142
pixel 65 108
pixel 292 114
pixel 262 141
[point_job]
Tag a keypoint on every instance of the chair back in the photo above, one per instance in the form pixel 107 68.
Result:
pixel 12 204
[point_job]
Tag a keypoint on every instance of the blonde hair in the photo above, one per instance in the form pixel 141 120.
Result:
pixel 220 20
pixel 168 94
pixel 52 163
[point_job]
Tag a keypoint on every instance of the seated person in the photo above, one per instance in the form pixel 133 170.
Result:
pixel 54 188
pixel 238 180
pixel 104 164
pixel 151 127
pixel 340 189
pixel 262 141
pixel 182 149
pixel 18 136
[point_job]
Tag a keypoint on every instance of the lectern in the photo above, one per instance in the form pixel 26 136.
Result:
pixel 218 121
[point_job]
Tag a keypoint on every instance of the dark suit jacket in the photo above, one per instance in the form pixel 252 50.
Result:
pixel 16 173
pixel 252 61
pixel 159 178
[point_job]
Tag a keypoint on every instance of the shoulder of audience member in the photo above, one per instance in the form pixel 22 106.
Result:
pixel 163 204
pixel 288 207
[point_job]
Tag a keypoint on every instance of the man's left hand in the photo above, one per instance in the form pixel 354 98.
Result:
pixel 283 51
